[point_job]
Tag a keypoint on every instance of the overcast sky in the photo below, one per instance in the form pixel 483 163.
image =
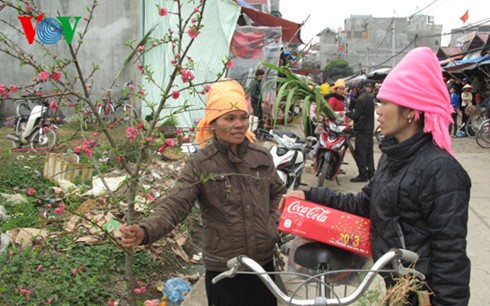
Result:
pixel 324 13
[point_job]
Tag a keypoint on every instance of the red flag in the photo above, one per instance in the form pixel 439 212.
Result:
pixel 464 17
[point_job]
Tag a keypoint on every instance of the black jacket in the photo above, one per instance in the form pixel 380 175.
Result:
pixel 363 114
pixel 418 199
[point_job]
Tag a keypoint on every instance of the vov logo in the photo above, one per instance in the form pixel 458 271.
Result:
pixel 49 30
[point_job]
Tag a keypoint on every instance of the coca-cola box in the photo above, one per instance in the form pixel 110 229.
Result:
pixel 322 223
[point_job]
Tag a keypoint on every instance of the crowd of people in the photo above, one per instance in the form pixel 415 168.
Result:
pixel 417 198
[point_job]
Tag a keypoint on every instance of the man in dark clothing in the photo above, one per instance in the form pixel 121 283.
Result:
pixel 363 116
pixel 256 96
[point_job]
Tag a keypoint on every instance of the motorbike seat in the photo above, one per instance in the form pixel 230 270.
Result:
pixel 317 255
pixel 289 134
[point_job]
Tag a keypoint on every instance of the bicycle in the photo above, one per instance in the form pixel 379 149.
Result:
pixel 123 111
pixel 476 116
pixel 483 135
pixel 394 256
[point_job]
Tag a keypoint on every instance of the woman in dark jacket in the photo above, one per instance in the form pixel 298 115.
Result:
pixel 418 198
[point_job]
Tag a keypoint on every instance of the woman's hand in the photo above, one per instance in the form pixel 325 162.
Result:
pixel 299 194
pixel 132 235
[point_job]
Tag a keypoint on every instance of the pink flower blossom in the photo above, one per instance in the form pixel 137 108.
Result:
pixel 52 105
pixel 140 125
pixel 74 271
pixel 143 289
pixel 193 20
pixel 207 87
pixel 43 76
pixel 85 19
pixel 230 64
pixel 202 92
pixel 76 150
pixel 56 75
pixel 172 61
pixel 58 211
pixel 94 135
pixel 111 303
pixel 13 88
pixel 137 290
pixel 48 205
pixel 62 206
pixel 131 87
pixel 193 32
pixel 196 10
pixel 186 75
pixel 179 131
pixel 39 268
pixel 170 142
pixel 131 133
pixel 34 80
pixel 87 147
pixel 31 191
pixel 150 198
pixel 88 86
pixel 162 11
pixel 142 92
pixel 141 68
pixel 140 282
pixel 50 301
pixel 118 158
pixel 140 48
pixel 175 94
pixel 162 148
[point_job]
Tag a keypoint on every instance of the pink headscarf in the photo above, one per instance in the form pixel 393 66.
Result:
pixel 417 83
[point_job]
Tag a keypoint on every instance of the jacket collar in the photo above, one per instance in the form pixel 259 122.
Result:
pixel 401 154
pixel 225 147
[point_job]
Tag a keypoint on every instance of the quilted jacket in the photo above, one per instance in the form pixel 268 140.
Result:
pixel 418 200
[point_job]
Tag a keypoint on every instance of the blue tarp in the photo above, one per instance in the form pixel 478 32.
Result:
pixel 468 61
pixel 245 4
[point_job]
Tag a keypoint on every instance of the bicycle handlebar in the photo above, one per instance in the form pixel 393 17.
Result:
pixel 394 256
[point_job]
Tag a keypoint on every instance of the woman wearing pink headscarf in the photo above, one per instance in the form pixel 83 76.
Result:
pixel 418 198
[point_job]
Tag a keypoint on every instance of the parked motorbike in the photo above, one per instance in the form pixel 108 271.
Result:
pixel 32 126
pixel 333 142
pixel 289 157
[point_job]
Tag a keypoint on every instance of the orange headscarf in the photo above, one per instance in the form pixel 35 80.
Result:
pixel 224 97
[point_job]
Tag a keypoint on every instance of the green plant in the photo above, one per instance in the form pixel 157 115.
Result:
pixel 170 121
pixel 297 92
pixel 64 272
pixel 338 68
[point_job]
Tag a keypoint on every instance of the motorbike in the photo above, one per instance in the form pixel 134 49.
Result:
pixel 32 126
pixel 289 156
pixel 333 142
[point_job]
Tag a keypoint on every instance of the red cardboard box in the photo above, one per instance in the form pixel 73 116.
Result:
pixel 321 223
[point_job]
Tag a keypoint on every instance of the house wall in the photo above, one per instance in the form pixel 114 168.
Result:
pixel 370 40
pixel 114 23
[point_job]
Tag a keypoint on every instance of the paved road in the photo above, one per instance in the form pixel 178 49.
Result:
pixel 477 162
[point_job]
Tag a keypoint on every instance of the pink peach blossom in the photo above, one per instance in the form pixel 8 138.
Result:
pixel 162 11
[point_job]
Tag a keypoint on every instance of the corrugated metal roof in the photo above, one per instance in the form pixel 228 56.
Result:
pixel 208 52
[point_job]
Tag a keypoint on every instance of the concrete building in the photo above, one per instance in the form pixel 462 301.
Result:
pixel 459 35
pixel 370 43
pixel 328 46
pixel 262 5
pixel 373 43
